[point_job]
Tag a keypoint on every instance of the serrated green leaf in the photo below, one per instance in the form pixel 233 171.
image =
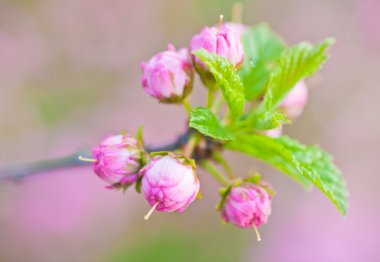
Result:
pixel 319 168
pixel 269 120
pixel 302 163
pixel 300 61
pixel 266 117
pixel 269 151
pixel 262 49
pixel 207 123
pixel 230 83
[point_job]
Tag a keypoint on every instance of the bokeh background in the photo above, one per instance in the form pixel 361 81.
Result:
pixel 70 74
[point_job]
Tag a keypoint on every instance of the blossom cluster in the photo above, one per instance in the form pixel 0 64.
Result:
pixel 169 180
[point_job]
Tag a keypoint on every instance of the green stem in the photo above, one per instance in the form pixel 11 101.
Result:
pixel 190 145
pixel 220 159
pixel 218 104
pixel 186 104
pixel 210 98
pixel 215 172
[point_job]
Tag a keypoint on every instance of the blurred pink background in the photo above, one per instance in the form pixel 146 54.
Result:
pixel 70 74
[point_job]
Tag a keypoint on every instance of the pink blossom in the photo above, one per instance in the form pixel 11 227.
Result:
pixel 168 76
pixel 247 206
pixel 171 182
pixel 223 41
pixel 238 28
pixel 118 160
pixel 274 133
pixel 295 101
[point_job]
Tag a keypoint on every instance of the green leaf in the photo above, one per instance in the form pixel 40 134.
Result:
pixel 230 83
pixel 138 185
pixel 139 136
pixel 207 123
pixel 300 61
pixel 304 164
pixel 269 151
pixel 266 117
pixel 262 49
pixel 319 168
pixel 223 192
pixel 269 120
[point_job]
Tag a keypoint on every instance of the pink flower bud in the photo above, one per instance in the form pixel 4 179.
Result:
pixel 223 41
pixel 168 76
pixel 118 160
pixel 295 101
pixel 171 182
pixel 238 28
pixel 273 133
pixel 247 206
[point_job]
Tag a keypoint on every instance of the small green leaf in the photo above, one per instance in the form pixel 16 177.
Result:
pixel 208 124
pixel 268 120
pixel 139 136
pixel 138 185
pixel 223 192
pixel 265 117
pixel 159 153
pixel 262 49
pixel 230 83
pixel 268 117
pixel 304 164
pixel 255 178
pixel 300 61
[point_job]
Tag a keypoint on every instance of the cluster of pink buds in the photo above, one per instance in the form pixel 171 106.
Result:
pixel 168 180
pixel 168 76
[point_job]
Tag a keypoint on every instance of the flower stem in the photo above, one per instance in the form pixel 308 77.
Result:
pixel 220 159
pixel 218 104
pixel 210 98
pixel 187 106
pixel 190 145
pixel 209 167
